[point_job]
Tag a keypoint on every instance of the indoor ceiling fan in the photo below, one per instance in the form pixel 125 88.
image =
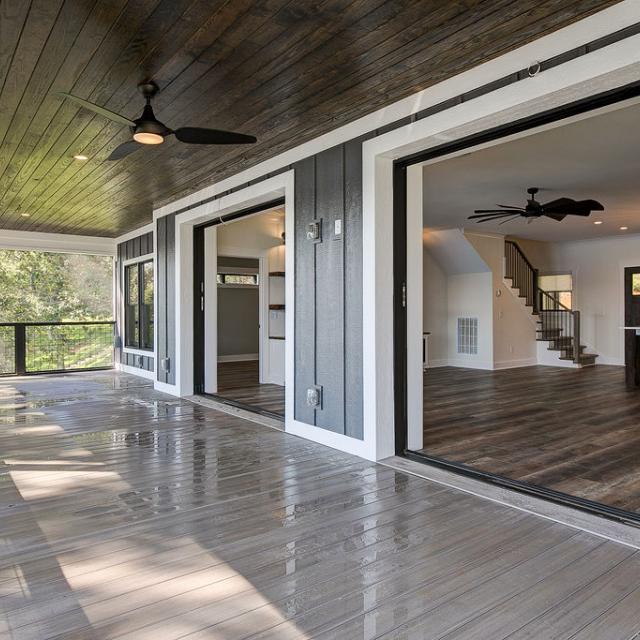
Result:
pixel 148 130
pixel 556 209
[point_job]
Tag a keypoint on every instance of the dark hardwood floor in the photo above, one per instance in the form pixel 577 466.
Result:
pixel 127 513
pixel 572 430
pixel 239 381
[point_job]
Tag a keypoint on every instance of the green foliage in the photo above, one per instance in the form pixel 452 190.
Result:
pixel 39 287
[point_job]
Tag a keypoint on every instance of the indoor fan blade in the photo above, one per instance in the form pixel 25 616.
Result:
pixel 124 150
pixel 510 207
pixel 555 216
pixel 512 218
pixel 116 117
pixel 490 214
pixel 195 135
pixel 592 205
pixel 491 211
pixel 491 218
pixel 559 205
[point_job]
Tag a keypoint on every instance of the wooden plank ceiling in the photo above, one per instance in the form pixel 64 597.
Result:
pixel 283 70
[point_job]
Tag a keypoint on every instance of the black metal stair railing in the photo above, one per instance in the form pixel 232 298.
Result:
pixel 523 275
pixel 52 347
pixel 560 326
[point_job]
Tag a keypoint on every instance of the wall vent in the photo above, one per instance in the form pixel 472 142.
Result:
pixel 468 336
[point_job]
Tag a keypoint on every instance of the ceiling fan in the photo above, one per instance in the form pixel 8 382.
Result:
pixel 556 209
pixel 148 130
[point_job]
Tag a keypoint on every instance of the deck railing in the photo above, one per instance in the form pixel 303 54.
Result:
pixel 53 347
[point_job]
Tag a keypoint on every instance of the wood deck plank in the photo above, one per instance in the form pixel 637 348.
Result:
pixel 125 513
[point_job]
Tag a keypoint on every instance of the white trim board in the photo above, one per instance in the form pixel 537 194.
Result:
pixel 134 371
pixel 140 231
pixel 56 243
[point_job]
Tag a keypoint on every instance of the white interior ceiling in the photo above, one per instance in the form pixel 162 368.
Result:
pixel 598 157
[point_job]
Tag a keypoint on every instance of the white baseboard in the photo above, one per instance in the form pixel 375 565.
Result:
pixel 239 357
pixel 134 371
pixel 515 364
pixel 470 364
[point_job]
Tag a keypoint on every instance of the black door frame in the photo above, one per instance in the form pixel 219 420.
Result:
pixel 198 289
pixel 400 165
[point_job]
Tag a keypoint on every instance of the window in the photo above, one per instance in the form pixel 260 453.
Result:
pixel 557 291
pixel 635 284
pixel 250 279
pixel 138 308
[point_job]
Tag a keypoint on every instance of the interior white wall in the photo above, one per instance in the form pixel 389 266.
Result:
pixel 469 296
pixel 435 317
pixel 514 328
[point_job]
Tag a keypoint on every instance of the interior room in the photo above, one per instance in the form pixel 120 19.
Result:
pixel 524 316
pixel 250 286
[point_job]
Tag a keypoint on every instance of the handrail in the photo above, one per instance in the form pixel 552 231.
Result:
pixel 523 275
pixel 521 253
pixel 545 294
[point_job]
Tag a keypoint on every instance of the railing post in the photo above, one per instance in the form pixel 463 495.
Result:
pixel 21 349
pixel 576 337
pixel 535 291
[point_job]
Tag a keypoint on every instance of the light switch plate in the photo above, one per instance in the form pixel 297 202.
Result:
pixel 337 227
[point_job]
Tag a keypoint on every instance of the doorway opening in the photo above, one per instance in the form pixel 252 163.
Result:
pixel 523 377
pixel 240 310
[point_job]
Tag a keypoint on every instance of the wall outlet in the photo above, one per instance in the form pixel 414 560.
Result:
pixel 337 227
pixel 314 231
pixel 314 397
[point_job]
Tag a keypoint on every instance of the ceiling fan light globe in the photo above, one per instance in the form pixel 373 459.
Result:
pixel 146 137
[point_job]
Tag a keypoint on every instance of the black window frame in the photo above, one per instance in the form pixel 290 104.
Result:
pixel 144 341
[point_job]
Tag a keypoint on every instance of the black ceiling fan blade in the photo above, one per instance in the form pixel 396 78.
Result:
pixel 124 150
pixel 510 207
pixel 482 218
pixel 196 135
pixel 490 211
pixel 116 117
pixel 490 214
pixel 555 216
pixel 509 219
pixel 592 205
pixel 559 205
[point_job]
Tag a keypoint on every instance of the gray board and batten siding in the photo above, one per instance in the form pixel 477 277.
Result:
pixel 328 289
pixel 141 245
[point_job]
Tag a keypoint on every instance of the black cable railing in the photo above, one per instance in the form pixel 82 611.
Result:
pixel 54 347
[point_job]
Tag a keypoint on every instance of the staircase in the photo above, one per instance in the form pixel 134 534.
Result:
pixel 556 324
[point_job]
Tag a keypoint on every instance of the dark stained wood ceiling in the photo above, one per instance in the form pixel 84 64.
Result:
pixel 283 70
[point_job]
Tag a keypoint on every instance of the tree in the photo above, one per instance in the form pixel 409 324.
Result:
pixel 37 287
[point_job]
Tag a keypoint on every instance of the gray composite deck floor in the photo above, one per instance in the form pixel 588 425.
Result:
pixel 125 513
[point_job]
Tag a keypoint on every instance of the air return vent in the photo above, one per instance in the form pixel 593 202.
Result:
pixel 468 336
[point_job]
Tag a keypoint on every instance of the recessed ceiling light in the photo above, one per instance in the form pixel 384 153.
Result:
pixel 80 156
pixel 25 215
pixel 623 228
pixel 598 222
